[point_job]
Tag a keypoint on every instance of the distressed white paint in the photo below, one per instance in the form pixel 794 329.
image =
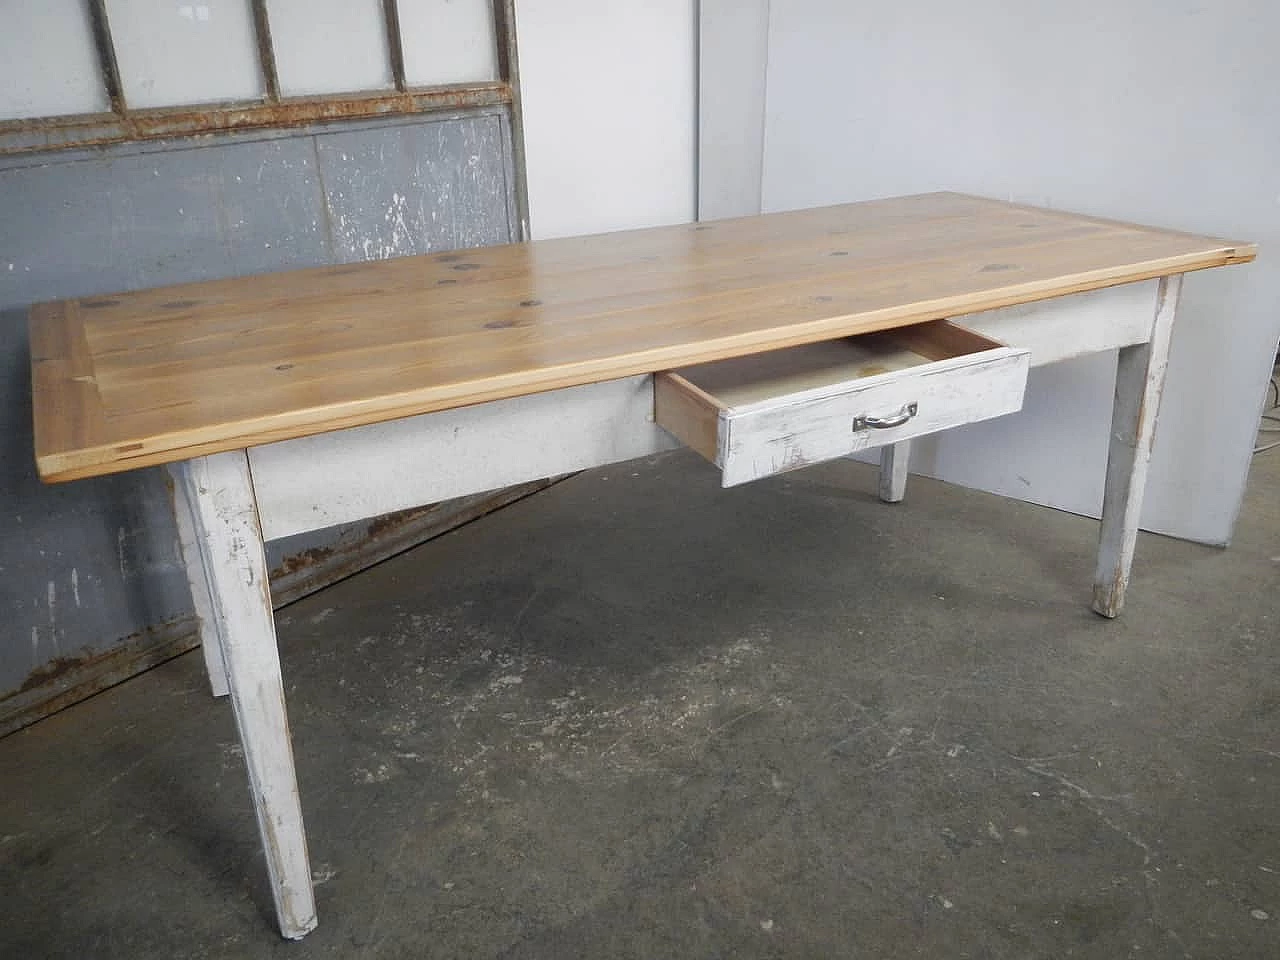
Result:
pixel 894 460
pixel 48 66
pixel 175 53
pixel 1068 327
pixel 762 439
pixel 447 41
pixel 1066 335
pixel 608 93
pixel 318 481
pixel 193 561
pixel 219 492
pixel 329 46
pixel 1140 374
pixel 52 607
pixel 315 482
pixel 1173 122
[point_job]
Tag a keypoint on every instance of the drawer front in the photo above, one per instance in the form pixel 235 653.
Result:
pixel 758 415
pixel 797 430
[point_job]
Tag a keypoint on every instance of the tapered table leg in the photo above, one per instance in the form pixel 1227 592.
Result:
pixel 1140 372
pixel 199 583
pixel 218 490
pixel 893 471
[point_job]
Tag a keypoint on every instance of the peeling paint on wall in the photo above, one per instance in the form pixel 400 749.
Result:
pixel 96 565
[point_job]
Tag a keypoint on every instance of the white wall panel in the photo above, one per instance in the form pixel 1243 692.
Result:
pixel 329 46
pixel 177 52
pixel 609 94
pixel 1149 111
pixel 733 49
pixel 448 41
pixel 48 66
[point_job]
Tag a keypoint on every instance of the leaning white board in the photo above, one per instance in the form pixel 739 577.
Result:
pixel 867 101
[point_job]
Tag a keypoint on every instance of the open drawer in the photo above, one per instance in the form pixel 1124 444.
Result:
pixel 759 415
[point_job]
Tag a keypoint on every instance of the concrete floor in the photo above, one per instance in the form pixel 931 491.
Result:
pixel 638 716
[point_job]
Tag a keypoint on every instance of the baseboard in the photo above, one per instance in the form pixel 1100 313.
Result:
pixel 364 545
pixel 68 681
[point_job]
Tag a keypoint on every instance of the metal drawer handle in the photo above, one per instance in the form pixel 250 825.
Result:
pixel 886 423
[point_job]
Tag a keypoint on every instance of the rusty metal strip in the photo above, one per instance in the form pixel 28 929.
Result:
pixel 504 31
pixel 69 680
pixel 122 125
pixel 395 44
pixel 266 52
pixel 106 54
pixel 19 136
pixel 385 537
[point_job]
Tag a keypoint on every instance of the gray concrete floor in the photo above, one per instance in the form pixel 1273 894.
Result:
pixel 638 716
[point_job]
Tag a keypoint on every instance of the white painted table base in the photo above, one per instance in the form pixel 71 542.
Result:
pixel 228 504
pixel 189 541
pixel 894 461
pixel 1140 374
pixel 1140 371
pixel 218 493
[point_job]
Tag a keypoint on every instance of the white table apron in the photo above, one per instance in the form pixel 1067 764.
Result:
pixel 229 504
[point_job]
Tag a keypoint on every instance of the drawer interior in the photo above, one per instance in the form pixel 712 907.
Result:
pixel 742 381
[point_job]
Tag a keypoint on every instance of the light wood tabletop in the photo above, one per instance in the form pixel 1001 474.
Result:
pixel 136 379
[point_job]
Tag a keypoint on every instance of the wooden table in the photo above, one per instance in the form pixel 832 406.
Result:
pixel 293 401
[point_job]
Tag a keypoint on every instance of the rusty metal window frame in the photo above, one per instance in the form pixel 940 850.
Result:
pixel 123 124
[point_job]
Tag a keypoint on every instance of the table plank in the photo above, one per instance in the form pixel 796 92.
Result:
pixel 162 375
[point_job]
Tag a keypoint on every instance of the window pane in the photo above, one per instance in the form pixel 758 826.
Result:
pixel 174 53
pixel 48 66
pixel 448 41
pixel 329 46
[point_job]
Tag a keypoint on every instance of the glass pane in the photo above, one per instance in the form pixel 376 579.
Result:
pixel 329 46
pixel 48 66
pixel 448 41
pixel 176 53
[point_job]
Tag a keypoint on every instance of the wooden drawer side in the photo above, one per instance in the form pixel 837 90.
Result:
pixel 942 339
pixel 691 415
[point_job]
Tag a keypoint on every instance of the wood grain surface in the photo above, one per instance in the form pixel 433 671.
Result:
pixel 161 375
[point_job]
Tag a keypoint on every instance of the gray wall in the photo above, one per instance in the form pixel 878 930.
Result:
pixel 89 573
